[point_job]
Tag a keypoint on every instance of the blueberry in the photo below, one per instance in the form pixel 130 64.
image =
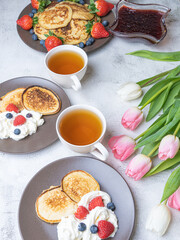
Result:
pixel 81 45
pixel 42 42
pixel 59 0
pixel 94 229
pixel 111 206
pixel 88 43
pixel 28 115
pixel 91 39
pixel 105 23
pixel 31 14
pixel 34 11
pixel 82 227
pixel 34 37
pixel 9 115
pixel 81 2
pixel 17 131
pixel 31 31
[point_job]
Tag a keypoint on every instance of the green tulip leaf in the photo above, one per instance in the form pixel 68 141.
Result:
pixel 158 103
pixel 171 97
pixel 172 184
pixel 158 56
pixel 148 148
pixel 164 165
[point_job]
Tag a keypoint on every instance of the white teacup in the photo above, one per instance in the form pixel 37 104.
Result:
pixel 67 80
pixel 95 148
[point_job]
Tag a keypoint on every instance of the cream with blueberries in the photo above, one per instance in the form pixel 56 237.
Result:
pixel 18 125
pixel 94 219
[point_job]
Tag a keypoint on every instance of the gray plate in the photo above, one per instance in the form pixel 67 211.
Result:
pixel 31 227
pixel 46 134
pixel 27 37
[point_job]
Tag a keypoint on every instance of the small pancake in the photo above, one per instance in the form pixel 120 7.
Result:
pixel 40 31
pixel 14 97
pixel 74 32
pixel 77 183
pixel 55 17
pixel 78 11
pixel 53 204
pixel 42 100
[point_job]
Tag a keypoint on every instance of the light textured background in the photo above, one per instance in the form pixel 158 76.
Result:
pixel 108 68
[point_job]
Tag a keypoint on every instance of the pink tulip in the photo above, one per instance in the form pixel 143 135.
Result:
pixel 132 118
pixel 138 166
pixel 174 200
pixel 168 147
pixel 122 146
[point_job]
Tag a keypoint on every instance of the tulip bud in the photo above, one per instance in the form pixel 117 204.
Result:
pixel 159 219
pixel 168 147
pixel 132 118
pixel 138 166
pixel 122 146
pixel 174 200
pixel 130 91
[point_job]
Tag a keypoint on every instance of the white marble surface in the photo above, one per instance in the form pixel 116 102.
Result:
pixel 108 68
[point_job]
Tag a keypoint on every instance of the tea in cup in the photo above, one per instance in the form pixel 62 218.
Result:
pixel 81 128
pixel 67 65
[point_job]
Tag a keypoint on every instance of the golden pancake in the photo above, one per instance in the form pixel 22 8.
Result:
pixel 74 32
pixel 40 31
pixel 55 17
pixel 53 204
pixel 14 97
pixel 41 100
pixel 78 11
pixel 77 183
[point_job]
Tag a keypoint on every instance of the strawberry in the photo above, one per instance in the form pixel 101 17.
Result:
pixel 35 4
pixel 52 42
pixel 12 108
pixel 19 120
pixel 81 212
pixel 105 229
pixel 103 7
pixel 96 202
pixel 25 22
pixel 99 31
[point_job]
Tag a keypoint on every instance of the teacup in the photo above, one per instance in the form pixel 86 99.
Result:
pixel 77 128
pixel 67 80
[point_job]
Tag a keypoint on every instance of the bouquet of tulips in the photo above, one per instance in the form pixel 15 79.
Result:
pixel 161 138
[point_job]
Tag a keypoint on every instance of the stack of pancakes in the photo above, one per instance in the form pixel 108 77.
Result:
pixel 66 20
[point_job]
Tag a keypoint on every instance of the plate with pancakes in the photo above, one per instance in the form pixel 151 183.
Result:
pixel 66 20
pixel 54 192
pixel 32 95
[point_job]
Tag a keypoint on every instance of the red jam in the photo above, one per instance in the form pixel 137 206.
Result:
pixel 139 21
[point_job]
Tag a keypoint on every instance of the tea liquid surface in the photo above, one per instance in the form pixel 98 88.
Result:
pixel 66 62
pixel 80 127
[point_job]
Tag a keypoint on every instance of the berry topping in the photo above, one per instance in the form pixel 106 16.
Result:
pixel 34 37
pixel 9 115
pixel 81 45
pixel 99 31
pixel 96 202
pixel 12 108
pixel 42 42
pixel 28 115
pixel 81 2
pixel 111 206
pixel 103 7
pixel 19 120
pixel 88 43
pixel 25 22
pixel 105 229
pixel 59 0
pixel 105 23
pixel 82 227
pixel 31 14
pixel 34 10
pixel 52 42
pixel 17 131
pixel 31 31
pixel 94 229
pixel 91 39
pixel 81 212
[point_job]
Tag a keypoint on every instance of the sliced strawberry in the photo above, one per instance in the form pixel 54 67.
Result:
pixel 81 212
pixel 105 229
pixel 103 7
pixel 12 108
pixel 52 42
pixel 99 31
pixel 25 22
pixel 19 120
pixel 96 202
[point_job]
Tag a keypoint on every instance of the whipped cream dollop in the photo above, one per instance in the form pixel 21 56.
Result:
pixel 7 129
pixel 68 227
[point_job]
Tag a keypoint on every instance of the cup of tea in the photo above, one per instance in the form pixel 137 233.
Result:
pixel 81 128
pixel 67 65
